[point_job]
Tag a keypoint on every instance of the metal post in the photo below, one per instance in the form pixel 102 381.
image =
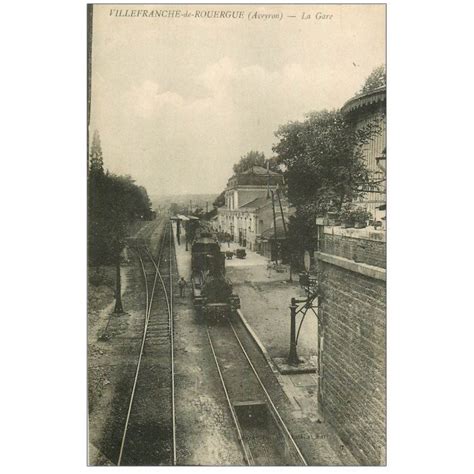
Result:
pixel 118 288
pixel 275 229
pixel 286 233
pixel 268 179
pixel 293 356
pixel 186 233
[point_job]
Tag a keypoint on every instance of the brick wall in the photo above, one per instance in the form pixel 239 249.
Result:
pixel 352 318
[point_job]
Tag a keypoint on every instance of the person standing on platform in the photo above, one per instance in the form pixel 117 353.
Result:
pixel 182 285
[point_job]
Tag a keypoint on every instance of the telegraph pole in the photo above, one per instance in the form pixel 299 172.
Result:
pixel 284 229
pixel 118 288
pixel 275 228
pixel 268 179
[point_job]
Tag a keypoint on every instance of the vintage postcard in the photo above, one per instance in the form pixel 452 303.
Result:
pixel 236 171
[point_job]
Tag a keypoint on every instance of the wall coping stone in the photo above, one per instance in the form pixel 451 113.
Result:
pixel 364 234
pixel 363 268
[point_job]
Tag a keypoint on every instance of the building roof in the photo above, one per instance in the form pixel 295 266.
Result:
pixel 255 176
pixel 361 101
pixel 256 203
pixel 260 170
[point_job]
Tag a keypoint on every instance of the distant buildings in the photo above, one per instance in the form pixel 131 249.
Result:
pixel 248 215
pixel 360 110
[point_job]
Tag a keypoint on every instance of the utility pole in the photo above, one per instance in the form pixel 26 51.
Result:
pixel 268 179
pixel 275 229
pixel 284 229
pixel 118 288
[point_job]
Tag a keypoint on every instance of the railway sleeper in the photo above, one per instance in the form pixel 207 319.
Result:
pixel 262 434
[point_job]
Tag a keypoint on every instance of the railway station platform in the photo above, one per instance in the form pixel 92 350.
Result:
pixel 183 257
pixel 265 298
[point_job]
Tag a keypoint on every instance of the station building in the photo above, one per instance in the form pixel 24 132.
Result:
pixel 247 215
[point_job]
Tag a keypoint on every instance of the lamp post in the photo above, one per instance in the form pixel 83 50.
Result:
pixel 309 303
pixel 293 356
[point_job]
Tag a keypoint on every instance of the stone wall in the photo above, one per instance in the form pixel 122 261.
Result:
pixel 352 331
pixel 361 245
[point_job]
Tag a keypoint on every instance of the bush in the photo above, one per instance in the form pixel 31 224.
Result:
pixel 351 214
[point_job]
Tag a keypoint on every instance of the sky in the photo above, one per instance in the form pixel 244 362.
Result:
pixel 177 101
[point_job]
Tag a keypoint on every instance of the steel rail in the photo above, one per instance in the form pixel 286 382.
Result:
pixel 172 347
pixel 148 306
pixel 146 285
pixel 277 413
pixel 247 454
pixel 169 304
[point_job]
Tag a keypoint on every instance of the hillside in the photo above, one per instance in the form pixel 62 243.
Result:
pixel 183 200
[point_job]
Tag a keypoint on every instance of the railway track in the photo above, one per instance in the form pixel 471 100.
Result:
pixel 149 432
pixel 264 436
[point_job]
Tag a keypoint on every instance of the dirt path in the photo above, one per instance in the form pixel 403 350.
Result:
pixel 111 361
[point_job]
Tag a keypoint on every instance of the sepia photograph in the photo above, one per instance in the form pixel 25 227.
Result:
pixel 236 234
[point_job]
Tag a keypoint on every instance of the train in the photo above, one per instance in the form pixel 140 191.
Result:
pixel 213 295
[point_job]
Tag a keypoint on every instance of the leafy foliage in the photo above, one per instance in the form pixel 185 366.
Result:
pixel 96 161
pixel 220 200
pixel 254 158
pixel 198 212
pixel 301 232
pixel 324 162
pixel 114 203
pixel 324 168
pixel 376 79
pixel 247 161
pixel 351 213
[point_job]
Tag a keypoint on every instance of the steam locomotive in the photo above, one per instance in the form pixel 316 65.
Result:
pixel 213 295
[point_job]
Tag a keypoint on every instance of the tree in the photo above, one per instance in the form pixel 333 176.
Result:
pixel 220 200
pixel 376 79
pixel 324 166
pixel 113 204
pixel 323 158
pixel 198 212
pixel 96 161
pixel 174 208
pixel 301 232
pixel 252 158
pixel 247 161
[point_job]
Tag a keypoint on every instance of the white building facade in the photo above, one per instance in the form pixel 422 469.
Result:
pixel 248 205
